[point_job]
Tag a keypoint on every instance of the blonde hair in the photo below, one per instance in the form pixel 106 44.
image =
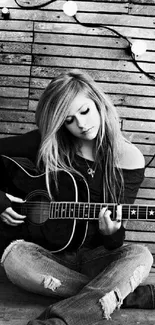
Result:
pixel 59 146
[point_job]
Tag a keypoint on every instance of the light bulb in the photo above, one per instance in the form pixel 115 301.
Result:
pixel 138 47
pixel 5 13
pixel 70 8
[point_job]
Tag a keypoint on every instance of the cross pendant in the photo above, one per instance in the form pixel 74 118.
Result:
pixel 91 172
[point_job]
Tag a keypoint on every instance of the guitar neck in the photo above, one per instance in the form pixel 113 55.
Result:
pixel 83 210
pixel 90 211
pixel 38 205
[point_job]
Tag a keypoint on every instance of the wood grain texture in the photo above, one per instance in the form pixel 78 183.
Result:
pixel 35 46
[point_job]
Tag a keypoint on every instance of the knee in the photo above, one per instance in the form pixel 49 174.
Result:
pixel 24 266
pixel 143 260
pixel 147 255
pixel 10 250
pixel 142 253
pixel 16 254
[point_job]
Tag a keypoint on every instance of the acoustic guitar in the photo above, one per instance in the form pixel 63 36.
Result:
pixel 63 219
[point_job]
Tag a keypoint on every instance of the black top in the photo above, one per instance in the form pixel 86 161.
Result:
pixel 27 145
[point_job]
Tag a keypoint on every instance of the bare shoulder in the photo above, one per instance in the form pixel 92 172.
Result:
pixel 130 156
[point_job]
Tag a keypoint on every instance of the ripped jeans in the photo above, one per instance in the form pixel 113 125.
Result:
pixel 93 283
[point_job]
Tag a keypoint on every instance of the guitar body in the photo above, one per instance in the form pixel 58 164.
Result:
pixel 24 181
pixel 60 221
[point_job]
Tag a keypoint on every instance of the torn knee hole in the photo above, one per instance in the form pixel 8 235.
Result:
pixel 137 277
pixel 49 282
pixel 110 302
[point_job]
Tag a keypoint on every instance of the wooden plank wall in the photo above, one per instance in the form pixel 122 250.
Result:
pixel 36 45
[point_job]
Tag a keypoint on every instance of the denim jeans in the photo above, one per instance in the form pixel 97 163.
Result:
pixel 92 282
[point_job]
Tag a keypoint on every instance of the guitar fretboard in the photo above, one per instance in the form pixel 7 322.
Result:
pixel 90 211
pixel 83 210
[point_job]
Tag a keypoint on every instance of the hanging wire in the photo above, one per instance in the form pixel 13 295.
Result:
pixel 147 74
pixel 93 25
pixel 148 164
pixel 34 6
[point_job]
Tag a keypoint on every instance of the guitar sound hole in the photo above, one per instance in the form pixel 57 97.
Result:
pixel 38 208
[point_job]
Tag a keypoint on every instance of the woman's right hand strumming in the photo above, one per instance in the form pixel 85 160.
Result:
pixel 11 217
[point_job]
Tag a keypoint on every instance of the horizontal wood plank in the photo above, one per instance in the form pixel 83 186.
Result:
pixel 15 70
pixel 134 125
pixel 97 75
pixel 22 59
pixel 25 37
pixel 14 92
pixel 144 138
pixel 16 128
pixel 15 47
pixel 141 9
pixel 133 101
pixel 100 64
pixel 14 81
pixel 106 37
pixel 13 103
pixel 82 51
pixel 141 226
pixel 13 116
pixel 11 25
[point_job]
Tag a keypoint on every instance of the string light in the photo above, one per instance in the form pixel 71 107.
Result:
pixel 70 8
pixel 5 13
pixel 138 47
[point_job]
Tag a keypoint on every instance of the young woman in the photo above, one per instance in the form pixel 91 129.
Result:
pixel 84 158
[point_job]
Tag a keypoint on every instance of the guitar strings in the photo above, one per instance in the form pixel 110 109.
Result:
pixel 124 206
pixel 81 205
pixel 79 209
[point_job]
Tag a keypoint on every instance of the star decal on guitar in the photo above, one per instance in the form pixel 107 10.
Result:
pixel 151 212
pixel 133 212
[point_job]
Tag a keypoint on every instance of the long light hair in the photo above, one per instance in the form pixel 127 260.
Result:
pixel 58 146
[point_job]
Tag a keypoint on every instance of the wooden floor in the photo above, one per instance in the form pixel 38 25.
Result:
pixel 17 307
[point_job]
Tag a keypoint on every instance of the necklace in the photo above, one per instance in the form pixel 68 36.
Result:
pixel 90 171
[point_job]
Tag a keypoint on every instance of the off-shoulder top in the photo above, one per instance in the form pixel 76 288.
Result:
pixel 27 145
